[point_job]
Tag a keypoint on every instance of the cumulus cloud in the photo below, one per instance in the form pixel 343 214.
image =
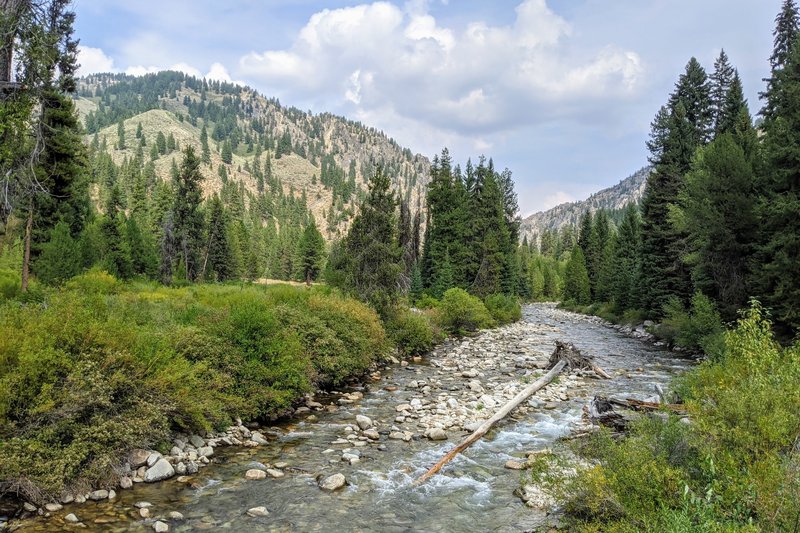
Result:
pixel 93 60
pixel 477 79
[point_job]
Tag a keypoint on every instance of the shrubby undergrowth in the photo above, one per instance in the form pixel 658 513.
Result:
pixel 100 367
pixel 735 467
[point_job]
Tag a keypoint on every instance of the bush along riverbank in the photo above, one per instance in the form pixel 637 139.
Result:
pixel 105 384
pixel 733 465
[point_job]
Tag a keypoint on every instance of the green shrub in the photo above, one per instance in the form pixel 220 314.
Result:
pixel 504 309
pixel 105 366
pixel 411 332
pixel 94 282
pixel 698 329
pixel 460 312
pixel 9 284
pixel 426 301
pixel 734 468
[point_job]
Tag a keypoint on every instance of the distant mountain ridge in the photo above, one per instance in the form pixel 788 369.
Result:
pixel 616 198
pixel 322 160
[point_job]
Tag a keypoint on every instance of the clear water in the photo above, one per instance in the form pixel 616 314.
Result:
pixel 473 493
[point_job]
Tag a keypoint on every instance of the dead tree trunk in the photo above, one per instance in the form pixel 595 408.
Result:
pixel 565 355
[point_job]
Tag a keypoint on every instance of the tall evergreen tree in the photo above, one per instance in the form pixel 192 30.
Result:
pixel 576 279
pixel 374 256
pixel 779 282
pixel 60 257
pixel 627 261
pixel 220 263
pixel 679 129
pixel 187 218
pixel 310 253
pixel 718 208
pixel 787 26
pixel 720 85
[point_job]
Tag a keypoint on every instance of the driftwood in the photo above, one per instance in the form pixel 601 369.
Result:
pixel 602 411
pixel 565 355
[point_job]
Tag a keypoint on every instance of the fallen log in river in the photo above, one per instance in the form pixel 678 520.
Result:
pixel 566 355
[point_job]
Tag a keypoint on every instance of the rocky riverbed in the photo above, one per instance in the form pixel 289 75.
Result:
pixel 348 460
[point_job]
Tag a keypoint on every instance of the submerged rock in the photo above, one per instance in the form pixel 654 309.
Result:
pixel 257 512
pixel 255 474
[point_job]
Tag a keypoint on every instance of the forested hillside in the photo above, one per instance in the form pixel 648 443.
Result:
pixel 613 199
pixel 251 146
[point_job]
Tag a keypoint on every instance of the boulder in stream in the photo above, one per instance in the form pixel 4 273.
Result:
pixel 334 482
pixel 160 470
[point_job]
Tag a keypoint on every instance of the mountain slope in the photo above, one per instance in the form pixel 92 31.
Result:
pixel 615 198
pixel 325 159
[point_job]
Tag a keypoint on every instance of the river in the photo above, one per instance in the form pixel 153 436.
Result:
pixel 474 492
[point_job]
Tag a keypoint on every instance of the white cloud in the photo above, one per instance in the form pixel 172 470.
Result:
pixel 477 80
pixel 556 198
pixel 93 60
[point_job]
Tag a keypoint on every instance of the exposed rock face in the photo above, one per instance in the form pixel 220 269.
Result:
pixel 629 190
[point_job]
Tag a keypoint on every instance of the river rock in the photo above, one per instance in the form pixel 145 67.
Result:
pixel 125 482
pixel 372 434
pixel 275 473
pixel 53 507
pixel 160 527
pixel 197 441
pixel 144 513
pixel 255 474
pixel 159 471
pixel 334 482
pixel 364 422
pixel 258 438
pixel 153 458
pixel 142 505
pixel 205 451
pixel 180 469
pixel 71 518
pixel 436 434
pixel 112 494
pixel 175 515
pixel 397 435
pixel 258 512
pixel 98 495
pixel 138 457
pixel 280 465
pixel 514 465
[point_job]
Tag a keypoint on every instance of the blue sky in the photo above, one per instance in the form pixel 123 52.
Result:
pixel 561 92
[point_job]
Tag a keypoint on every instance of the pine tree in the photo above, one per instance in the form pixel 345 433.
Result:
pixel 735 104
pixel 310 253
pixel 188 221
pixel 585 231
pixel 576 279
pixel 171 144
pixel 597 257
pixel 371 244
pixel 61 172
pixel 116 253
pixel 139 132
pixel 627 262
pixel 779 281
pixel 227 153
pixel 220 263
pixel 443 278
pixel 787 26
pixel 60 257
pixel 144 259
pixel 720 85
pixel 161 143
pixel 121 135
pixel 718 208
pixel 679 129
pixel 206 151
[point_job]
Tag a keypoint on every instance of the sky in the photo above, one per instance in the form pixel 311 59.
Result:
pixel 561 92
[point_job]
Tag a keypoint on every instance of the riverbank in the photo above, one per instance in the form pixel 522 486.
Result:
pixel 98 368
pixel 380 457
